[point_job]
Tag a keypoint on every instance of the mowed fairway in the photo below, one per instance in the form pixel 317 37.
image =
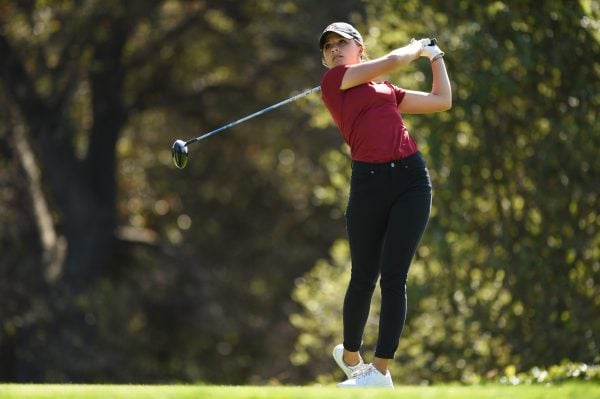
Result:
pixel 64 391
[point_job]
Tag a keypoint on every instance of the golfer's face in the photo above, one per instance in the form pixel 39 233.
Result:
pixel 338 50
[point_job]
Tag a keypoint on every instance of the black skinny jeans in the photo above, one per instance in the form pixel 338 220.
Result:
pixel 388 210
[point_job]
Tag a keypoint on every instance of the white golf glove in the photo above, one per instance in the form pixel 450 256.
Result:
pixel 431 49
pixel 421 43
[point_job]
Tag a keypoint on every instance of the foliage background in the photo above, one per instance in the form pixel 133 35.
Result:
pixel 117 267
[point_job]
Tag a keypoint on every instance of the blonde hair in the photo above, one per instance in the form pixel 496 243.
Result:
pixel 363 56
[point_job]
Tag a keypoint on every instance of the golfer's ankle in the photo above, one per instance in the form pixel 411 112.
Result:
pixel 351 358
pixel 381 365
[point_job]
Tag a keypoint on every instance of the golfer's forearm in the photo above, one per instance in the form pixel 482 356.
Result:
pixel 369 70
pixel 405 55
pixel 441 83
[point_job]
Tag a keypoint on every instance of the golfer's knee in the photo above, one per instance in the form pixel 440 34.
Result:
pixel 362 284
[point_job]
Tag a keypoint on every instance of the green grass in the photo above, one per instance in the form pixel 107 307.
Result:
pixel 66 391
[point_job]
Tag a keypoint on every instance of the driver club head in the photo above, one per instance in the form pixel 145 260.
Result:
pixel 179 152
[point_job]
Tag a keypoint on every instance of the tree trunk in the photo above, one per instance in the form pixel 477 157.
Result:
pixel 90 185
pixel 83 191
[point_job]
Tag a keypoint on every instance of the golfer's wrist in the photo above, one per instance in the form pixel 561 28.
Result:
pixel 437 57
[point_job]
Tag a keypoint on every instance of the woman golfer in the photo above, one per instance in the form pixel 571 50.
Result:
pixel 390 189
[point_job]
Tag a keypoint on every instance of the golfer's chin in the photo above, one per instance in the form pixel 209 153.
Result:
pixel 337 62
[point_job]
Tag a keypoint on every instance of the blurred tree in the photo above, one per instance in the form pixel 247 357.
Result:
pixel 117 267
pixel 122 268
pixel 508 272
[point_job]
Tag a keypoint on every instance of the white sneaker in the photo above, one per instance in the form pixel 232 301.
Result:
pixel 368 377
pixel 338 356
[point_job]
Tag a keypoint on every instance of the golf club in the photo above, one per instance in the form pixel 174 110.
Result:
pixel 180 152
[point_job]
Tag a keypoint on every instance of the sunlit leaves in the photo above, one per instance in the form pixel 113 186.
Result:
pixel 515 187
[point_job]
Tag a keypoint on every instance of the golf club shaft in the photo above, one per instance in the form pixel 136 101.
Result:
pixel 272 107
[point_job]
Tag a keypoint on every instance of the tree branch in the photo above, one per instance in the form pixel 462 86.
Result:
pixel 138 59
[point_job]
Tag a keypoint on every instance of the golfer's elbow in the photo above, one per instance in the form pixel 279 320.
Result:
pixel 443 103
pixel 446 104
pixel 443 96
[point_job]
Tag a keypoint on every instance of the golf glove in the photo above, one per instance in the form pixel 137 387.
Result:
pixel 431 50
pixel 421 42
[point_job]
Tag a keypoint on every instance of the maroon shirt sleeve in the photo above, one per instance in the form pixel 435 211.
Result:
pixel 332 79
pixel 331 92
pixel 400 93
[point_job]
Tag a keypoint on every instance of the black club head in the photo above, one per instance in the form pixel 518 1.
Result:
pixel 179 152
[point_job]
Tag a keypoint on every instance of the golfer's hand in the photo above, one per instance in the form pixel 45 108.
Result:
pixel 419 45
pixel 431 50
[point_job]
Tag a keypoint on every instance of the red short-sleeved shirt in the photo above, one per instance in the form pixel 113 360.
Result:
pixel 368 118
